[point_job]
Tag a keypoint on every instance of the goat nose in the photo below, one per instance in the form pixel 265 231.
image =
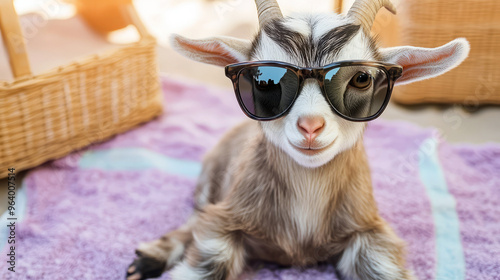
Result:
pixel 311 126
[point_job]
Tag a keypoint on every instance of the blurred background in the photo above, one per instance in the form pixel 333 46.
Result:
pixel 48 25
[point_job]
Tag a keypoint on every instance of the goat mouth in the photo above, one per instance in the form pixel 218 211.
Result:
pixel 311 151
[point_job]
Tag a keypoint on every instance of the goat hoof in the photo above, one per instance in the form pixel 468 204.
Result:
pixel 144 267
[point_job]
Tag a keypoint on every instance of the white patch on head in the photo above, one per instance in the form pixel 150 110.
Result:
pixel 270 50
pixel 299 25
pixel 338 134
pixel 378 258
pixel 358 48
pixel 324 23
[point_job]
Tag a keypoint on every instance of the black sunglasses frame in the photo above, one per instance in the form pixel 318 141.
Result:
pixel 393 72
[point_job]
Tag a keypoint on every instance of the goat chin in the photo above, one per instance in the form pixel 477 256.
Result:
pixel 290 203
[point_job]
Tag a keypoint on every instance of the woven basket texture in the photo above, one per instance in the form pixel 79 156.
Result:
pixel 47 116
pixel 432 23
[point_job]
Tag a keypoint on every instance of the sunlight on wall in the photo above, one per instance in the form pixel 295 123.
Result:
pixel 50 9
pixel 198 18
pixel 190 17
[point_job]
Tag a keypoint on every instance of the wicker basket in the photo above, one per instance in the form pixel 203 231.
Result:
pixel 432 23
pixel 47 116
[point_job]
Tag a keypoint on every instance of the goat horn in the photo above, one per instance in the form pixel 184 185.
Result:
pixel 267 10
pixel 364 11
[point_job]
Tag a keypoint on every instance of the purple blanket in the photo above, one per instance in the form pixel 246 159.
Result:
pixel 85 213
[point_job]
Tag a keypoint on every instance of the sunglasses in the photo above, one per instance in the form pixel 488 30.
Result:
pixel 356 90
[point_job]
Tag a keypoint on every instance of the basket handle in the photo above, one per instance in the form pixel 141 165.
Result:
pixel 13 39
pixel 131 13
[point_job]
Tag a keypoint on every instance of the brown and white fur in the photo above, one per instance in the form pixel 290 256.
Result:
pixel 297 190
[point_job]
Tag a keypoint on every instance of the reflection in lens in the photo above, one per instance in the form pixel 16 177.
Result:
pixel 356 102
pixel 267 91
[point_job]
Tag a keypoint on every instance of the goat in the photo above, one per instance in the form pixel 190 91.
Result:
pixel 295 190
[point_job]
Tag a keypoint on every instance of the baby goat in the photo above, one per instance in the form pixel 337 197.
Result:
pixel 294 187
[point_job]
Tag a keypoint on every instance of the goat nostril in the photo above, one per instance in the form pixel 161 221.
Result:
pixel 311 125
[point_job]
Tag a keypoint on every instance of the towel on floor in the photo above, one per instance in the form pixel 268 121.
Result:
pixel 81 217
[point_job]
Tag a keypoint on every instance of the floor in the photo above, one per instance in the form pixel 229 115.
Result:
pixel 196 18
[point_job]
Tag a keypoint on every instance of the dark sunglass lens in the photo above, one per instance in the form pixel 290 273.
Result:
pixel 357 92
pixel 267 91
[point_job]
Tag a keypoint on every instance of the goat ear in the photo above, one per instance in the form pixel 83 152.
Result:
pixel 424 63
pixel 219 51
